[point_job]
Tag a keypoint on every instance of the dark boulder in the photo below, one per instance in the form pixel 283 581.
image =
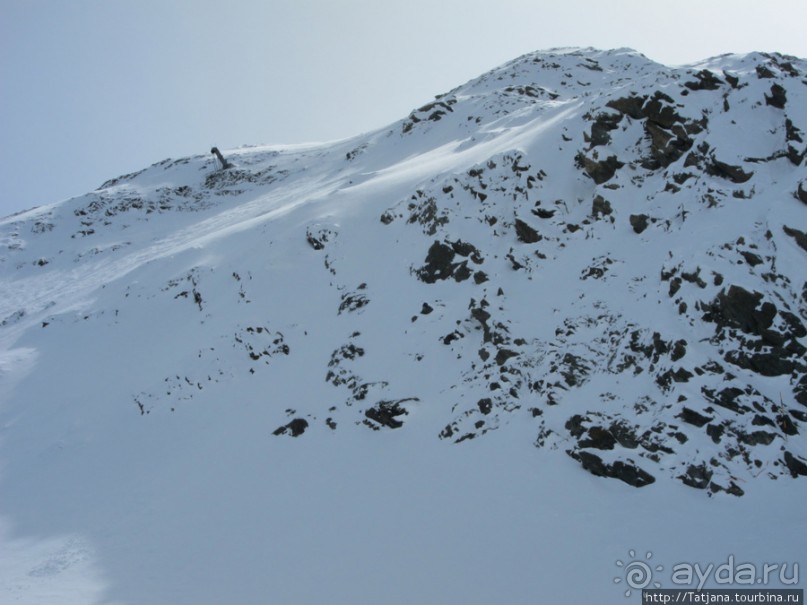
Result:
pixel 467 249
pixel 630 106
pixel 638 222
pixel 735 174
pixel 575 425
pixel 774 363
pixel 386 413
pixel 799 236
pixel 542 213
pixel 502 355
pixel 659 110
pixel 715 431
pixel 600 207
pixel 728 398
pixel 795 465
pixel 526 234
pixel 631 474
pixel 739 308
pixel 603 124
pixel 764 72
pixel 778 97
pixel 438 263
pixel 295 428
pixel 704 80
pixel 485 405
pixel 666 147
pixel 599 171
pixel 598 438
pixel 755 437
pixel 624 434
pixel 733 80
pixel 624 471
pixel 696 476
pixel 692 417
pixel 792 132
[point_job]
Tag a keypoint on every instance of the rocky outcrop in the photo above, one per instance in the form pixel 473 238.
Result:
pixel 704 80
pixel 669 134
pixel 440 263
pixel 735 174
pixel 777 98
pixel 295 428
pixel 639 222
pixel 801 193
pixel 627 472
pixel 739 308
pixel 525 233
pixel 599 171
pixel 601 207
pixel 387 413
pixel 799 236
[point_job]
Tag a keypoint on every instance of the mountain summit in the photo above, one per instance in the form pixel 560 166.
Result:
pixel 581 260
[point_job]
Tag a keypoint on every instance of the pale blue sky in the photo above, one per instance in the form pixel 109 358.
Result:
pixel 90 89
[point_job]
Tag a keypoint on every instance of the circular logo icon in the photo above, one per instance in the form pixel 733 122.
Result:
pixel 637 574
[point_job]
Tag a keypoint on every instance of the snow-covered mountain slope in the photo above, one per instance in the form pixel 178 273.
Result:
pixel 580 274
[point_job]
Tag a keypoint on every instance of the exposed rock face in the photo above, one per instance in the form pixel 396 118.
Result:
pixel 639 222
pixel 766 350
pixel 735 174
pixel 295 428
pixel 387 413
pixel 799 236
pixel 624 471
pixel 603 124
pixel 693 417
pixel 801 193
pixel 601 207
pixel 704 80
pixel 796 466
pixel 777 98
pixel 668 133
pixel 440 263
pixel 739 308
pixel 600 171
pixel 525 233
pixel 697 476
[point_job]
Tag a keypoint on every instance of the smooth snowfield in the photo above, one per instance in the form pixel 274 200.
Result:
pixel 157 335
pixel 374 520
